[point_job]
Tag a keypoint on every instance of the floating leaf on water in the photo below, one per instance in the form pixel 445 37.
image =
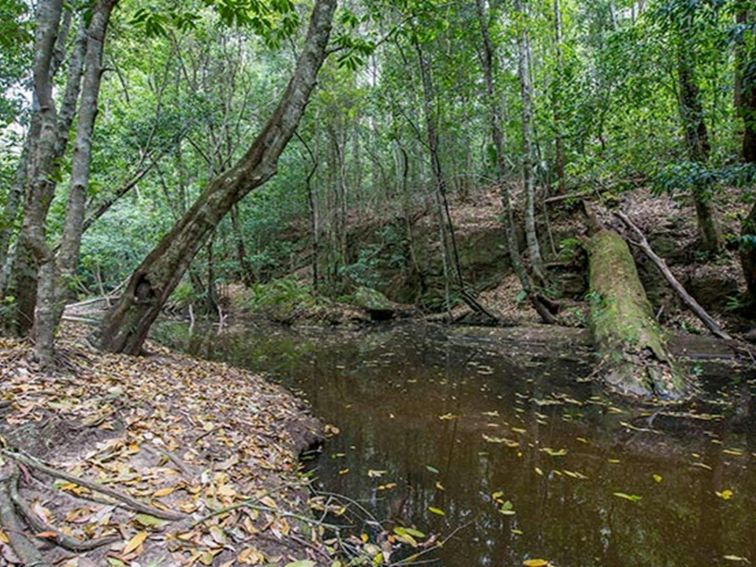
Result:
pixel 733 452
pixel 658 477
pixel 387 486
pixel 503 440
pixel 437 511
pixel 372 473
pixel 507 508
pixel 538 471
pixel 517 532
pixel 519 430
pixel 736 558
pixel 432 469
pixel 535 563
pixel 440 486
pixel 630 497
pixel 613 461
pixel 554 452
pixel 447 416
pixel 726 494
pixel 344 471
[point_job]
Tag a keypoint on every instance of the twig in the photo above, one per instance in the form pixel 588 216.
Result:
pixel 172 458
pixel 27 552
pixel 39 526
pixel 131 502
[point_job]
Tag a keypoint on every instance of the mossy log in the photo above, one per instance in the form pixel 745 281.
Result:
pixel 635 359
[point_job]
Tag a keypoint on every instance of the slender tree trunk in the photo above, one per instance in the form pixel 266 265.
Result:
pixel 557 100
pixel 497 135
pixel 697 143
pixel 528 160
pixel 126 326
pixel 452 268
pixel 747 108
pixel 241 252
pixel 16 196
pixel 68 255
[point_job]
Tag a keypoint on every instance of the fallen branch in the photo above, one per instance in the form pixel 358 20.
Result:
pixel 131 502
pixel 692 304
pixel 40 526
pixel 27 552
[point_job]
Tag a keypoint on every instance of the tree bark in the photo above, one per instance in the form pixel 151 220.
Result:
pixel 528 160
pixel 125 327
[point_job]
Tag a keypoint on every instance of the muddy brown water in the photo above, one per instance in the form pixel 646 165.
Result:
pixel 505 438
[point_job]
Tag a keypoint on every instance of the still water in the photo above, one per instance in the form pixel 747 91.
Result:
pixel 510 443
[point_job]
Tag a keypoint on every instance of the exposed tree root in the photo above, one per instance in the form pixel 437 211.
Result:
pixel 40 526
pixel 27 552
pixel 129 501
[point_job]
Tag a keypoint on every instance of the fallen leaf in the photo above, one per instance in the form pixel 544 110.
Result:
pixel 134 543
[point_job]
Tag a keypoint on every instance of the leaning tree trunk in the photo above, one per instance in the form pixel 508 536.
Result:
pixel 126 326
pixel 634 356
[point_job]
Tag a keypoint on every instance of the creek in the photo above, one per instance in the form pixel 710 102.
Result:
pixel 504 436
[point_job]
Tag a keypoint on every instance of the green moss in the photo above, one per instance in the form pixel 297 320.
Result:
pixel 623 323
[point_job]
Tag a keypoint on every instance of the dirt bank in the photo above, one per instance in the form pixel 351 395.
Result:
pixel 205 455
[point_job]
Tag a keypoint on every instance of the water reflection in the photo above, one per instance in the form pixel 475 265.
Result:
pixel 461 424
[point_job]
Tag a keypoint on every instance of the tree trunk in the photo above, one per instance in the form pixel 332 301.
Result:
pixel 699 147
pixel 634 356
pixel 241 252
pixel 126 326
pixel 528 160
pixel 43 164
pixel 557 101
pixel 32 248
pixel 747 108
pixel 68 255
pixel 452 267
pixel 497 135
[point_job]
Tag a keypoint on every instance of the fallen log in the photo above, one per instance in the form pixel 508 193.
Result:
pixel 635 359
pixel 659 262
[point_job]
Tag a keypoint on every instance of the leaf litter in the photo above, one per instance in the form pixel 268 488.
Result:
pixel 183 438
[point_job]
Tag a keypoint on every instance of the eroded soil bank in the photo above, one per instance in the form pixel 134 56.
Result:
pixel 188 440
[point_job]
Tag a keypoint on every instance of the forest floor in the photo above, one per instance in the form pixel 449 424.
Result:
pixel 203 456
pixel 669 223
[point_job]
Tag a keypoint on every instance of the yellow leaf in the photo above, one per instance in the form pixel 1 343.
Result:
pixel 535 563
pixel 134 542
pixel 163 491
pixel 251 556
pixel 725 494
